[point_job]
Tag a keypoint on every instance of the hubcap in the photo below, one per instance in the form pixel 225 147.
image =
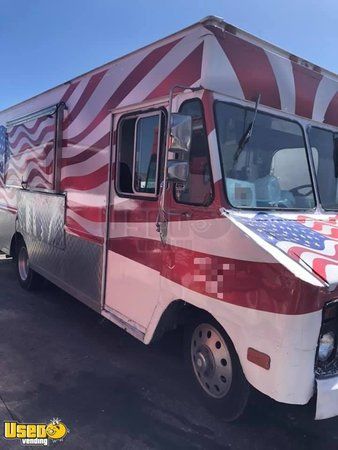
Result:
pixel 211 360
pixel 23 263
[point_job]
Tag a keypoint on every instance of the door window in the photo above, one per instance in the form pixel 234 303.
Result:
pixel 139 142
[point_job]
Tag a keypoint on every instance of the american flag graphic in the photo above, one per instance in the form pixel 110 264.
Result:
pixel 3 151
pixel 31 153
pixel 310 242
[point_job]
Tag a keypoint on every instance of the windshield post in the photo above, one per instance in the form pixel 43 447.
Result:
pixel 312 167
pixel 323 153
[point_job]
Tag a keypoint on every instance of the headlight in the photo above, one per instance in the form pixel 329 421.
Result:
pixel 326 346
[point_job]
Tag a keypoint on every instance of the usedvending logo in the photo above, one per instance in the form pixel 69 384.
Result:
pixel 36 434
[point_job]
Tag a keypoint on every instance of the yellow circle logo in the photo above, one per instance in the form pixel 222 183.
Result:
pixel 56 430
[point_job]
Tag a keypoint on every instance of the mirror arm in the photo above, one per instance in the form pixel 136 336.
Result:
pixel 162 213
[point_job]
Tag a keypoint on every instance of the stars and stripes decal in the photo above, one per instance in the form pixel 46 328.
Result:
pixel 7 195
pixel 3 150
pixel 31 153
pixel 312 243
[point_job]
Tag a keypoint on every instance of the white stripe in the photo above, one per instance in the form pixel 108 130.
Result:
pixel 87 199
pixel 88 141
pixel 94 228
pixel 37 152
pixel 117 73
pixel 329 250
pixel 217 71
pixel 327 89
pixel 48 137
pixel 282 68
pixel 215 160
pixel 34 136
pixel 98 160
pixel 164 67
pixel 75 96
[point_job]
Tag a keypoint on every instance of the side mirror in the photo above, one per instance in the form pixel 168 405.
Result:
pixel 178 171
pixel 179 148
pixel 180 133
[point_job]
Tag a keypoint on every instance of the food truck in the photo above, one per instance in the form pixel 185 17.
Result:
pixel 192 183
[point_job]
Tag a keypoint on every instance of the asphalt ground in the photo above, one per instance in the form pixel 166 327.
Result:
pixel 60 359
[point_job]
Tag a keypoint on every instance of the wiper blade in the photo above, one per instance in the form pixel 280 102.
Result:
pixel 248 132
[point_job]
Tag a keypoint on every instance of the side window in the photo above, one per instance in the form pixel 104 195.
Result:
pixel 199 189
pixel 34 145
pixel 138 148
pixel 146 154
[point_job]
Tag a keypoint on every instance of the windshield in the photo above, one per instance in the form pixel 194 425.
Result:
pixel 271 170
pixel 324 144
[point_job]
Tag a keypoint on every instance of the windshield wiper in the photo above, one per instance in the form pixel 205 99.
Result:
pixel 248 132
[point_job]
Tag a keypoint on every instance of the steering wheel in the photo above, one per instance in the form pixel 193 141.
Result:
pixel 296 190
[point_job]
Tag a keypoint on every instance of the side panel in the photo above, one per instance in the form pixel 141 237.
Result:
pixel 73 263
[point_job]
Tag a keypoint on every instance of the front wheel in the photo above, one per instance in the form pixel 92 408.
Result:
pixel 27 278
pixel 215 367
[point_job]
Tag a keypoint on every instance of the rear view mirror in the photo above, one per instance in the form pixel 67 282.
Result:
pixel 179 148
pixel 180 133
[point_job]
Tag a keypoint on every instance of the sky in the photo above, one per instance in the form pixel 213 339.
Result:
pixel 46 42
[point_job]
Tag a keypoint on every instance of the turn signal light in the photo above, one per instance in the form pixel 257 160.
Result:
pixel 259 358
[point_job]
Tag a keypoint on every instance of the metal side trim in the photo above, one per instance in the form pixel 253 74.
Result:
pixel 128 325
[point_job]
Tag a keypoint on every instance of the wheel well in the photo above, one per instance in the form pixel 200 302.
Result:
pixel 177 314
pixel 17 237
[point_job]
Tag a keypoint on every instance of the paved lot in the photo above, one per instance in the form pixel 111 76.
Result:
pixel 58 358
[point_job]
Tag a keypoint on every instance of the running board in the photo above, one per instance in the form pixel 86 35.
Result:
pixel 127 325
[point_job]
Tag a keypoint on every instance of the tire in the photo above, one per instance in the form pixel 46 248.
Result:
pixel 213 363
pixel 28 279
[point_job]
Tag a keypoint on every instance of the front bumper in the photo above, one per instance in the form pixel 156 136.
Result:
pixel 327 397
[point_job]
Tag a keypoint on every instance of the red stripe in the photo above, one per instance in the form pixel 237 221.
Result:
pixel 331 116
pixel 298 252
pixel 49 146
pixel 25 147
pixel 253 69
pixel 186 73
pixel 86 154
pixel 93 82
pixel 135 76
pixel 144 251
pixel 241 283
pixel 86 182
pixel 47 170
pixel 30 130
pixel 306 84
pixel 36 173
pixel 320 265
pixel 8 208
pixel 34 142
pixel 71 88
